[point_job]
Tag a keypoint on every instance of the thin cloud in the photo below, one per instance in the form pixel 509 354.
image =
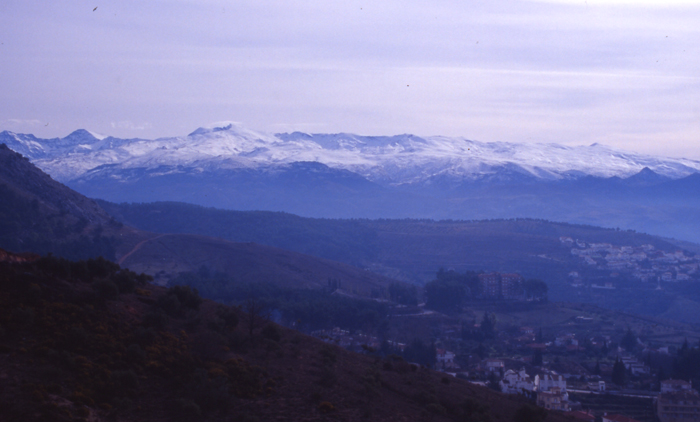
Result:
pixel 24 122
pixel 129 125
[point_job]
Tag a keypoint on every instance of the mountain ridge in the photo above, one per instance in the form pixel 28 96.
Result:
pixel 388 160
pixel 403 176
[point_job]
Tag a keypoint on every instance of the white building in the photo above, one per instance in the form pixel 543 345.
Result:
pixel 445 359
pixel 494 364
pixel 515 382
pixel 547 381
pixel 671 385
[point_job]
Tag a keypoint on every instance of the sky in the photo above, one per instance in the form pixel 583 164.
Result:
pixel 622 73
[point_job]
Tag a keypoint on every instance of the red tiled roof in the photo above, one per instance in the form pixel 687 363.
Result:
pixel 585 416
pixel 618 418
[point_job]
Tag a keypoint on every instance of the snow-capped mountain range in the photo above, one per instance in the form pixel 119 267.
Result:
pixel 386 160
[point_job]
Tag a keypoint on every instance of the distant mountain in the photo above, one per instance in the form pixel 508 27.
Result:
pixel 403 176
pixel 387 160
pixel 646 177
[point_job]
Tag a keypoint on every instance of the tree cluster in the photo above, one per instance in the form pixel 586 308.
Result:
pixel 306 309
pixel 450 289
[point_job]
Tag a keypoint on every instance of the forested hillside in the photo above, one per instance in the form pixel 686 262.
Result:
pixel 413 251
pixel 89 341
pixel 41 215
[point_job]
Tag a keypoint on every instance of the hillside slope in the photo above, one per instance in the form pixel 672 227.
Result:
pixel 41 215
pixel 415 249
pixel 574 260
pixel 167 255
pixel 72 349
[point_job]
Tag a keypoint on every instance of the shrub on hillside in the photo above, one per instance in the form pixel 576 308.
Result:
pixel 105 289
pixel 271 332
pixel 178 299
pixel 530 413
pixel 186 410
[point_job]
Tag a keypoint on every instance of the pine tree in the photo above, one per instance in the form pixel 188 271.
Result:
pixel 629 340
pixel 619 373
pixel 488 325
pixel 537 358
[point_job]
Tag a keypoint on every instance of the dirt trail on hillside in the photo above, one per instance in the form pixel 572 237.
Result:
pixel 138 245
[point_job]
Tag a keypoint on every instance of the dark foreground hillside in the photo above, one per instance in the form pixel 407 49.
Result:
pixel 39 214
pixel 90 341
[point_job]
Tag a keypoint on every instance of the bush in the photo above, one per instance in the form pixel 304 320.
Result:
pixel 271 332
pixel 238 341
pixel 77 337
pixel 229 316
pixel 188 297
pixel 436 408
pixel 178 299
pixel 155 319
pixel 328 354
pixel 530 413
pixel 134 353
pixel 105 289
pixel 144 336
pixel 124 281
pixel 326 407
pixel 186 410
pixel 170 304
pixel 124 382
pixel 327 378
pixel 209 393
pixel 101 267
pixel 23 317
pixel 473 410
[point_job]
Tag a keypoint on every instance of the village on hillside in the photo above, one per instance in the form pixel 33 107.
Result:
pixel 584 364
pixel 557 375
pixel 644 263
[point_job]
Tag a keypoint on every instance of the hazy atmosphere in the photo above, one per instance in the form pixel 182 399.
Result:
pixel 573 73
pixel 390 211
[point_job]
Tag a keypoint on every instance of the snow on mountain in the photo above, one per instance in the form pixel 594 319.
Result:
pixel 384 159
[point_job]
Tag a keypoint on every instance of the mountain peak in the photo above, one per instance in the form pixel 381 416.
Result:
pixel 82 136
pixel 228 126
pixel 646 177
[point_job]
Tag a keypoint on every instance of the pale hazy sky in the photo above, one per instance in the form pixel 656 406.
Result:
pixel 623 73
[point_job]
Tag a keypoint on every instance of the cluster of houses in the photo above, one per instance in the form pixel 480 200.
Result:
pixel 549 387
pixel 676 402
pixel 645 262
